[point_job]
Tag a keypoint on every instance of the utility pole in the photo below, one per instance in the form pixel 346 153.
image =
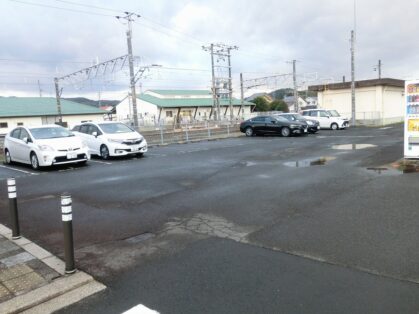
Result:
pixel 130 17
pixel 230 87
pixel 294 80
pixel 221 82
pixel 40 90
pixel 353 78
pixel 378 68
pixel 58 96
pixel 241 94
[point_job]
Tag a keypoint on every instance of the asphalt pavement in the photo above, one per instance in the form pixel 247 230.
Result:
pixel 244 225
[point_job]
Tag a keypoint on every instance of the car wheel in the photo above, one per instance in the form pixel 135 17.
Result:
pixel 249 131
pixel 34 161
pixel 285 131
pixel 104 152
pixel 334 126
pixel 8 158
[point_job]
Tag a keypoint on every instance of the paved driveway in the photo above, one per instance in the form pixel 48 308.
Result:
pixel 244 225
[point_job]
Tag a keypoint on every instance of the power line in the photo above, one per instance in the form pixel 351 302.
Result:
pixel 60 8
pixel 89 6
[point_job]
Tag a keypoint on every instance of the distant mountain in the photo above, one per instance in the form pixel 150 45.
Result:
pixel 94 103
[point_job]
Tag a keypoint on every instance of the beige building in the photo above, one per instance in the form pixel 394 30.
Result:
pixel 34 111
pixel 378 101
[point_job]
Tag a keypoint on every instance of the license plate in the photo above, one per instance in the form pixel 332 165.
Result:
pixel 318 128
pixel 305 130
pixel 135 148
pixel 71 155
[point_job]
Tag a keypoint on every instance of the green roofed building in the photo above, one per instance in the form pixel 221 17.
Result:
pixel 165 106
pixel 34 111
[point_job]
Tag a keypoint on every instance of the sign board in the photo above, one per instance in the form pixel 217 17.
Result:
pixel 411 122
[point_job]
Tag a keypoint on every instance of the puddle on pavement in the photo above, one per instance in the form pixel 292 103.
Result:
pixel 309 162
pixel 378 170
pixel 353 146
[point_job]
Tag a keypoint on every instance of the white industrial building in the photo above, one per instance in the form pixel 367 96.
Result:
pixel 168 106
pixel 378 101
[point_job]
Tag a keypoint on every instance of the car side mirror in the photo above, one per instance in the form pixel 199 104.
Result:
pixel 273 121
pixel 25 139
pixel 94 134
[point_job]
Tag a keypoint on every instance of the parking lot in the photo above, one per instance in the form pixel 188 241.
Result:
pixel 241 225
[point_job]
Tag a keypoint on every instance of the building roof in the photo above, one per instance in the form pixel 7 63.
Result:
pixel 45 106
pixel 358 84
pixel 187 102
pixel 180 92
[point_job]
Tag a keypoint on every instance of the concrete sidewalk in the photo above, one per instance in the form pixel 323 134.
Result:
pixel 32 280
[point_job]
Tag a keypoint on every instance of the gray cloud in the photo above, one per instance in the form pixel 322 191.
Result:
pixel 269 33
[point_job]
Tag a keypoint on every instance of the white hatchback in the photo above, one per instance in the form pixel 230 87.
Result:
pixel 111 138
pixel 45 145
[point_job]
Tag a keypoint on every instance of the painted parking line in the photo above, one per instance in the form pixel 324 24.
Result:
pixel 386 128
pixel 100 162
pixel 140 309
pixel 19 170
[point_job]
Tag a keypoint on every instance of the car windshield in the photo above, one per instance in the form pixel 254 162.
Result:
pixel 50 132
pixel 334 113
pixel 114 128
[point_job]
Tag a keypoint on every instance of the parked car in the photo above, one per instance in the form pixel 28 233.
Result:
pixel 327 119
pixel 111 138
pixel 45 145
pixel 272 125
pixel 312 125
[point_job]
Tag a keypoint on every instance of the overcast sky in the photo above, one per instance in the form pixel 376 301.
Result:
pixel 40 42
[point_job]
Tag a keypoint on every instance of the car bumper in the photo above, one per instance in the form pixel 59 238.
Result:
pixel 124 150
pixel 313 128
pixel 301 130
pixel 47 158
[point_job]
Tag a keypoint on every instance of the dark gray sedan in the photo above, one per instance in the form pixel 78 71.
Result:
pixel 272 125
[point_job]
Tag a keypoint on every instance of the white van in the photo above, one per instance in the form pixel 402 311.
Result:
pixel 328 119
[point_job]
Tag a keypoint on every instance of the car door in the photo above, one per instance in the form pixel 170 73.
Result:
pixel 323 119
pixel 95 141
pixel 24 145
pixel 83 134
pixel 272 125
pixel 12 144
pixel 259 124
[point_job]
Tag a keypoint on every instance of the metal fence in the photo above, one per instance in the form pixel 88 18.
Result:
pixel 189 132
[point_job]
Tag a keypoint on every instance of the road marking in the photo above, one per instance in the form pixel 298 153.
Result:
pixel 101 162
pixel 24 171
pixel 140 309
pixel 386 128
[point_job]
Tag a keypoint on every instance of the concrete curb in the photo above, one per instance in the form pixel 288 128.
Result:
pixel 60 293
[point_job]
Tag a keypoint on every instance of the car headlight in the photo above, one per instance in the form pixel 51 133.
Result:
pixel 115 141
pixel 45 148
pixel 309 122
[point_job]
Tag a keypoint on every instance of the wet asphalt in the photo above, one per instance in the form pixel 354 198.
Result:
pixel 243 225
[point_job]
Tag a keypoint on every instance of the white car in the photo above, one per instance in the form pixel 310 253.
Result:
pixel 45 145
pixel 328 119
pixel 108 138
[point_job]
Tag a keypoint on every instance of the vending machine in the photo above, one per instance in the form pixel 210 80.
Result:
pixel 411 122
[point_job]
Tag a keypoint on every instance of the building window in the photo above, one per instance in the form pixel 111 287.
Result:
pixel 3 124
pixel 19 123
pixel 169 114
